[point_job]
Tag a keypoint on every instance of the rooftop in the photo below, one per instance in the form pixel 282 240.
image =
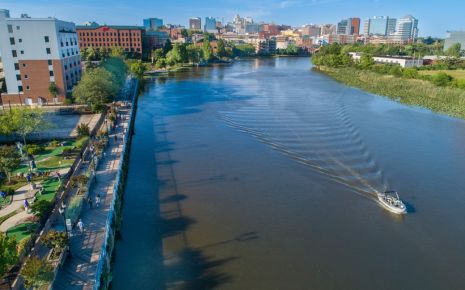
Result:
pixel 93 27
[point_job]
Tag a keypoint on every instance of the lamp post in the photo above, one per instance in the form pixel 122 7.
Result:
pixel 61 210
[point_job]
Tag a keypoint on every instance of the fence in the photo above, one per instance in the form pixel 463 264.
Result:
pixel 107 246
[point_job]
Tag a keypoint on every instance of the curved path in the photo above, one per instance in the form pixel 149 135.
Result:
pixel 18 201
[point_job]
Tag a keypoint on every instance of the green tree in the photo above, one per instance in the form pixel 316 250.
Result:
pixel 207 50
pixel 116 51
pixel 157 54
pixel 221 49
pixel 8 253
pixel 103 53
pixel 194 53
pixel 455 50
pixel 410 73
pixel 184 33
pixel 366 61
pixel 84 54
pixel 36 272
pixel 161 63
pixel 167 47
pixel 292 49
pixel 52 89
pixel 441 79
pixel 9 160
pixel 23 121
pixel 138 68
pixel 91 54
pixel 243 50
pixel 95 88
pixel 42 209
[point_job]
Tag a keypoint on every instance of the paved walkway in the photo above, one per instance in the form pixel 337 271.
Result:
pixel 16 205
pixel 79 270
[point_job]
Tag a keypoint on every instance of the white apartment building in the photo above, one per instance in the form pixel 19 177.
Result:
pixel 36 52
pixel 402 61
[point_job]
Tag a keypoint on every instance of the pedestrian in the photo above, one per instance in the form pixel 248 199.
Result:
pixel 59 175
pixel 116 137
pixel 80 226
pixel 89 201
pixel 97 200
pixel 104 154
pixel 26 205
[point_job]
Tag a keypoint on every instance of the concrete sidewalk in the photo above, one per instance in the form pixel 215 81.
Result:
pixel 80 268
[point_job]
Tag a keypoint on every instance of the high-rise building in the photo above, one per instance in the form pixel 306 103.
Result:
pixel 210 25
pixel 327 29
pixel 380 25
pixel 36 52
pixel 152 24
pixel 453 37
pixel 195 23
pixel 350 26
pixel 406 30
pixel 253 28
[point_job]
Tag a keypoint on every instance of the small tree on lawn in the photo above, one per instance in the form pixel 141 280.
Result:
pixel 36 272
pixel 42 209
pixel 8 253
pixel 25 121
pixel 138 68
pixel 9 160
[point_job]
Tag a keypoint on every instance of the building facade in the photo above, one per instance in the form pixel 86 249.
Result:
pixel 195 23
pixel 380 25
pixel 127 37
pixel 453 37
pixel 210 25
pixel 406 30
pixel 350 26
pixel 35 53
pixel 152 24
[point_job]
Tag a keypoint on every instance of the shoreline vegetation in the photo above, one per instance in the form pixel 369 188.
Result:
pixel 429 87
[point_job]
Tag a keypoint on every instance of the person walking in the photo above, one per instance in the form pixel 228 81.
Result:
pixel 89 201
pixel 80 226
pixel 97 200
pixel 26 205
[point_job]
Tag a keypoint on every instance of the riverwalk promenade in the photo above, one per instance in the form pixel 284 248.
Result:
pixel 80 268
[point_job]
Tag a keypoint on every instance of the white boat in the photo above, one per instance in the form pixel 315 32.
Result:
pixel 391 201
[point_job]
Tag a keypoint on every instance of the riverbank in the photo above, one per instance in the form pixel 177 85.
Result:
pixel 414 92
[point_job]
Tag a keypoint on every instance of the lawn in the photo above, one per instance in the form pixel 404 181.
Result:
pixel 456 74
pixel 51 186
pixel 22 231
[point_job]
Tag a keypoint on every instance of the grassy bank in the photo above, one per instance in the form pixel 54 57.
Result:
pixel 449 101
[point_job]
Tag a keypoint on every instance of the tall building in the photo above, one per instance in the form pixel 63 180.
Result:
pixel 453 37
pixel 152 24
pixel 253 28
pixel 350 26
pixel 195 23
pixel 327 29
pixel 406 30
pixel 380 25
pixel 127 37
pixel 36 52
pixel 311 30
pixel 210 25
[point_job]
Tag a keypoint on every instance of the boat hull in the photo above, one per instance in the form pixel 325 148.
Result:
pixel 391 208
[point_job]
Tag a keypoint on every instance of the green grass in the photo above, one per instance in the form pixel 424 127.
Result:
pixel 51 186
pixel 22 231
pixel 456 74
pixel 445 100
pixel 5 217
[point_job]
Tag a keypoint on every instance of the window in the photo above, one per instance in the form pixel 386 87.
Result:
pixel 22 51
pixel 49 62
pixel 20 40
pixel 24 65
pixel 26 77
pixel 51 73
pixel 17 27
pixel 16 66
pixel 61 44
pixel 20 88
pixel 48 50
pixel 10 28
pixel 66 67
pixel 46 38
pixel 28 88
pixel 12 40
pixel 18 77
pixel 13 52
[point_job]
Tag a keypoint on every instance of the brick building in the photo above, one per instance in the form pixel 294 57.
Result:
pixel 96 36
pixel 35 53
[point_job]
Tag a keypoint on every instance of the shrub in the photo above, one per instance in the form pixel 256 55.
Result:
pixel 410 73
pixel 441 79
pixel 42 209
pixel 67 152
pixel 395 71
pixel 23 245
pixel 458 84
pixel 54 144
pixel 68 101
pixel 74 208
pixel 36 272
pixel 83 130
pixel 34 149
pixel 80 180
pixel 55 239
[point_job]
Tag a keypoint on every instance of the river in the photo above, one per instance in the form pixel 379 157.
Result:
pixel 261 175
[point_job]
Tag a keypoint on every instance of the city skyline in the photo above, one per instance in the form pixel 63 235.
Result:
pixel 291 12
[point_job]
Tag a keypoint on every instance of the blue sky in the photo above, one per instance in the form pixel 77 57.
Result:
pixel 435 17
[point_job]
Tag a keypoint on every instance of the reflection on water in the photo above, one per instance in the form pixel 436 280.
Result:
pixel 263 174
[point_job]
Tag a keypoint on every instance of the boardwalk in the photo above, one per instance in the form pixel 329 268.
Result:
pixel 79 270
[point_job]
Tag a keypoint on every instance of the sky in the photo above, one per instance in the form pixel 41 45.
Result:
pixel 435 17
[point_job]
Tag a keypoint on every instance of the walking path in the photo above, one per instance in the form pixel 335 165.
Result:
pixel 20 195
pixel 78 272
